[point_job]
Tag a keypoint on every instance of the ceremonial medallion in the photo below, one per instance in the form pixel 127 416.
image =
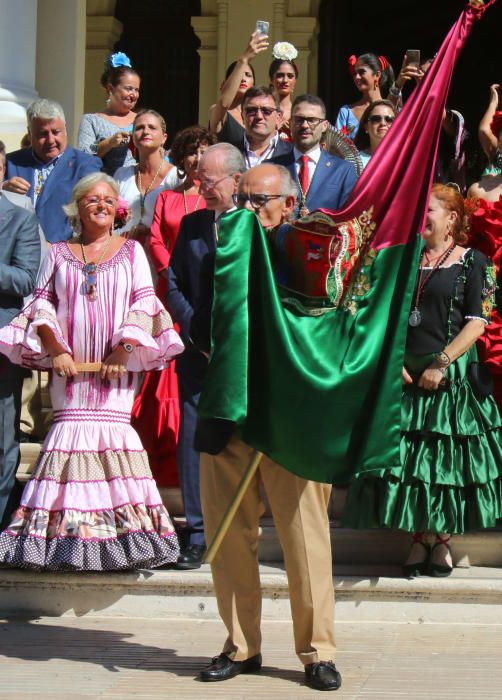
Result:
pixel 415 318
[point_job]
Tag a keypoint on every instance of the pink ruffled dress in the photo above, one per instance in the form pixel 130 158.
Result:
pixel 92 503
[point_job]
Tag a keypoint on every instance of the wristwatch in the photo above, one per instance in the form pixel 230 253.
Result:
pixel 128 347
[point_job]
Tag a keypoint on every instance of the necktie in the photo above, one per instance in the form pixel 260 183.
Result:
pixel 303 174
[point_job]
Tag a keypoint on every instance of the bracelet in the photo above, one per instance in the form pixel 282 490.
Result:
pixel 442 358
pixel 394 90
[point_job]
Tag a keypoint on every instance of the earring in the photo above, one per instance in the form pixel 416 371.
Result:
pixel 108 99
pixel 77 227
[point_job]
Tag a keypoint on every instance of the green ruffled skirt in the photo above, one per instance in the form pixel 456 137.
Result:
pixel 451 456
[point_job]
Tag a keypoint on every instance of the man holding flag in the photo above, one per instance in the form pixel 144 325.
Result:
pixel 299 508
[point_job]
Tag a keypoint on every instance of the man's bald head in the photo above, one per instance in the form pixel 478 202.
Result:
pixel 271 193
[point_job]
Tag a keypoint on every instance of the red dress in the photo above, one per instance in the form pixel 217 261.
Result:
pixel 156 412
pixel 486 236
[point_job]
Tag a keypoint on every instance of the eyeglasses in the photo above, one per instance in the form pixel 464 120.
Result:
pixel 257 201
pixel 311 121
pixel 253 111
pixel 109 202
pixel 211 184
pixel 378 119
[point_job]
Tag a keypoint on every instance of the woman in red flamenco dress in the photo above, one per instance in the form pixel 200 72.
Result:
pixel 156 413
pixel 486 236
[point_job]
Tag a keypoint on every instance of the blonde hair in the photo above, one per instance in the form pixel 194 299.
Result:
pixel 81 189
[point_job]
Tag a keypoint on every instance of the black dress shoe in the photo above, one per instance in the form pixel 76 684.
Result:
pixel 191 557
pixel 222 668
pixel 322 676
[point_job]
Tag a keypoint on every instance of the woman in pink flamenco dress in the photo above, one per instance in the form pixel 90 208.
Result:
pixel 91 503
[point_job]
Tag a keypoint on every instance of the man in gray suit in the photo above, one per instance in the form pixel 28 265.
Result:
pixel 19 261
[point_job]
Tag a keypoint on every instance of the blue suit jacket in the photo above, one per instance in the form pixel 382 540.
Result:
pixel 19 257
pixel 331 185
pixel 71 166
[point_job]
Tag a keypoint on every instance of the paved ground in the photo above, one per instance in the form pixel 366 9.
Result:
pixel 81 658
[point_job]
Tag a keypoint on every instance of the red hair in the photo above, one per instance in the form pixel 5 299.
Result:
pixel 452 200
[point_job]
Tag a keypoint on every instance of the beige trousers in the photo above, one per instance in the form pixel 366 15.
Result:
pixel 299 508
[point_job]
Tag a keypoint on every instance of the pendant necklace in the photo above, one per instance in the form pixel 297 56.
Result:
pixel 415 318
pixel 91 271
pixel 142 195
pixel 185 202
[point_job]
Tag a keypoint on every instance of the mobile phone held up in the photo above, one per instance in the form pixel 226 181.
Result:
pixel 413 57
pixel 262 27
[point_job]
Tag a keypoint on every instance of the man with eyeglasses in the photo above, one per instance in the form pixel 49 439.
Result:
pixel 324 181
pixel 261 113
pixel 190 298
pixel 299 508
pixel 48 170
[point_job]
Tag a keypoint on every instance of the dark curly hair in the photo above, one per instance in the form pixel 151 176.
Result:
pixel 187 141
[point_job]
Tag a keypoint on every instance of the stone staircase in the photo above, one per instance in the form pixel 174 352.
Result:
pixel 367 579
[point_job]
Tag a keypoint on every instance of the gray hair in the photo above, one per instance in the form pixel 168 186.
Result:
pixel 80 190
pixel 232 157
pixel 44 109
pixel 288 185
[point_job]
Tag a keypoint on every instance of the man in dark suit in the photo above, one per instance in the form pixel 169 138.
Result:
pixel 189 299
pixel 19 261
pixel 261 113
pixel 49 169
pixel 299 508
pixel 323 181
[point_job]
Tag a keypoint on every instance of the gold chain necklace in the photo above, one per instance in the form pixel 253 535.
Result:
pixel 186 204
pixel 142 195
pixel 91 271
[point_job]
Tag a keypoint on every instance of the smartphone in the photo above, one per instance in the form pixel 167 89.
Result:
pixel 262 27
pixel 413 57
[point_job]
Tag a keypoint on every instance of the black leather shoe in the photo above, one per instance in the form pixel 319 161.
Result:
pixel 322 676
pixel 191 557
pixel 222 668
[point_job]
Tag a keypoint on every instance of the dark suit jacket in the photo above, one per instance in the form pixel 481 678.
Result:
pixel 19 257
pixel 190 300
pixel 331 185
pixel 282 148
pixel 71 166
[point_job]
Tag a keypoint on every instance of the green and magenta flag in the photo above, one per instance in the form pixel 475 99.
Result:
pixel 310 369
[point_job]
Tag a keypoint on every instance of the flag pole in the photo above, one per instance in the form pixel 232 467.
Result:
pixel 226 521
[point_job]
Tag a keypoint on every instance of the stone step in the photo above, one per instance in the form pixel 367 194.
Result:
pixel 369 594
pixel 370 547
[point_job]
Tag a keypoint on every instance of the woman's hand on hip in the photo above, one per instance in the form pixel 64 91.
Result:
pixel 430 379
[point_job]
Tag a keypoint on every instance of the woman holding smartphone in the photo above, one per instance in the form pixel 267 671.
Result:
pixel 225 117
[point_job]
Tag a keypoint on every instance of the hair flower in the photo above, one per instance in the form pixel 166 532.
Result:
pixel 122 213
pixel 119 59
pixel 285 51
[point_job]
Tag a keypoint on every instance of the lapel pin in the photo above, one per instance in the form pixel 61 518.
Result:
pixel 328 164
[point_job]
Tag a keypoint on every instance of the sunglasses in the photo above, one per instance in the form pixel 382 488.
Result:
pixel 253 111
pixel 378 119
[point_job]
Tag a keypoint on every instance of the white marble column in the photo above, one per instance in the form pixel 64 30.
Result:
pixel 18 40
